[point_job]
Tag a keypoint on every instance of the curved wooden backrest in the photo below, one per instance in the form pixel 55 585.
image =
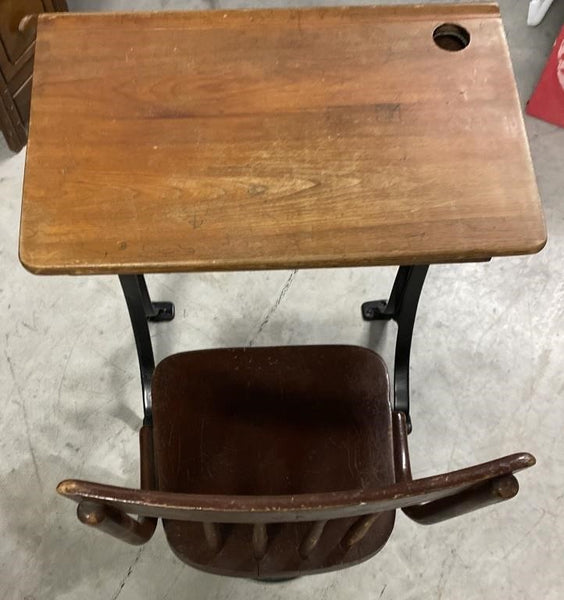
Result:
pixel 426 501
pixel 303 507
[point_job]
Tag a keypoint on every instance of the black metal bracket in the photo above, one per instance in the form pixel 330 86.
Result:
pixel 154 311
pixel 402 308
pixel 141 310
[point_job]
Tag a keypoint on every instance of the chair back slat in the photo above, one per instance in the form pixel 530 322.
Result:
pixel 212 533
pixel 359 529
pixel 311 538
pixel 260 540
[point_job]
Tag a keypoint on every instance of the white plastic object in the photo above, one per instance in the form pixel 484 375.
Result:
pixel 537 10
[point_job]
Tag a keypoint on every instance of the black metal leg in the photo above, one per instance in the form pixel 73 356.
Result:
pixel 141 310
pixel 402 308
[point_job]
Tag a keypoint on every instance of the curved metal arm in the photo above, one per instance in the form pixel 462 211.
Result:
pixel 402 308
pixel 141 310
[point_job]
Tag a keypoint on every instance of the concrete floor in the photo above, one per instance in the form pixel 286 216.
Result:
pixel 487 379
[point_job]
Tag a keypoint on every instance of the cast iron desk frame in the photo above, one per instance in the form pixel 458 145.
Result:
pixel 401 307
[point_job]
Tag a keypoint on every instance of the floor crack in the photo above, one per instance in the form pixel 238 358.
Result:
pixel 128 574
pixel 274 307
pixel 21 403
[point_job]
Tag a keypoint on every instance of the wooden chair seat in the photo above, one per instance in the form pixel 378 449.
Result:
pixel 277 462
pixel 273 421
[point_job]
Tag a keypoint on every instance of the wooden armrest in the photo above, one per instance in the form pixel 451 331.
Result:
pixel 485 484
pixel 482 495
pixel 116 523
pixel 300 507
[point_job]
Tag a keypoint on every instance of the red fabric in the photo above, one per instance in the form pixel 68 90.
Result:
pixel 547 101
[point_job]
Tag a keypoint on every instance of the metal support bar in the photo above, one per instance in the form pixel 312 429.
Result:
pixel 141 310
pixel 402 308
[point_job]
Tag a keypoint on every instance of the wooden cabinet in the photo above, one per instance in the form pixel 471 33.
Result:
pixel 16 65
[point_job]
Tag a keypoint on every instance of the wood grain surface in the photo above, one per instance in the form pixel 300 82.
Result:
pixel 295 507
pixel 226 140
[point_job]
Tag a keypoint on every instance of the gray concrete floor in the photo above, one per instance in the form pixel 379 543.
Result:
pixel 487 380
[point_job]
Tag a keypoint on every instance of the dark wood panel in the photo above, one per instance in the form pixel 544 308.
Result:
pixel 10 121
pixel 299 507
pixel 275 139
pixel 14 41
pixel 21 76
pixel 7 128
pixel 17 43
pixel 22 99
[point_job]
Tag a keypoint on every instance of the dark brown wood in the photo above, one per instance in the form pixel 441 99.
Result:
pixel 312 538
pixel 212 531
pixel 271 421
pixel 148 478
pixel 303 507
pixel 18 81
pixel 17 40
pixel 18 25
pixel 14 43
pixel 260 540
pixel 359 530
pixel 28 22
pixel 402 463
pixel 283 557
pixel 116 523
pixel 11 122
pixel 22 100
pixel 225 404
pixel 266 139
pixel 485 494
pixel 275 462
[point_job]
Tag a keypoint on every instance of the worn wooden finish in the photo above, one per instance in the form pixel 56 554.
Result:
pixel 312 538
pixel 344 519
pixel 116 522
pixel 484 494
pixel 359 530
pixel 260 540
pixel 495 489
pixel 282 461
pixel 316 416
pixel 212 533
pixel 303 507
pixel 274 138
pixel 402 463
pixel 146 450
pixel 17 43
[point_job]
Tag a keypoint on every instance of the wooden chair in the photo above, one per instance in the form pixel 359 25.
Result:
pixel 277 462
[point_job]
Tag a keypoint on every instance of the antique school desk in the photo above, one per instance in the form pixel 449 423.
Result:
pixel 276 139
